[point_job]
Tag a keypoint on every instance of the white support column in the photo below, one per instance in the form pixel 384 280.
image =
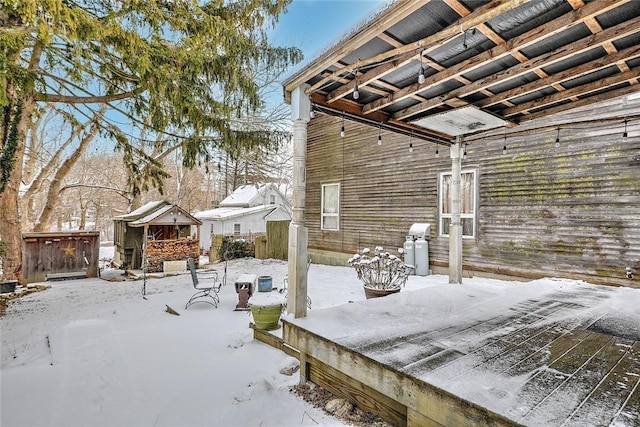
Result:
pixel 298 233
pixel 455 228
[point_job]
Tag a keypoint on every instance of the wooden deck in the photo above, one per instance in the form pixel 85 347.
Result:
pixel 463 355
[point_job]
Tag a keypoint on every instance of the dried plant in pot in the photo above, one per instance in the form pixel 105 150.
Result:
pixel 381 273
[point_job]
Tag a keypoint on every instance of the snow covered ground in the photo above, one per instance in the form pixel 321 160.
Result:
pixel 93 352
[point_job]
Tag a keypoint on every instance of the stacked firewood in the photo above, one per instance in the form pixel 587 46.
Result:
pixel 159 251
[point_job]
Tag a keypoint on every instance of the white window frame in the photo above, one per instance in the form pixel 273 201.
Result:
pixel 272 199
pixel 236 228
pixel 324 214
pixel 444 231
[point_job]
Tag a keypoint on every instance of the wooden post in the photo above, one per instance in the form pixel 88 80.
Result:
pixel 455 227
pixel 298 233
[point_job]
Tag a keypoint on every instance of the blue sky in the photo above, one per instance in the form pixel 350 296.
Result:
pixel 312 25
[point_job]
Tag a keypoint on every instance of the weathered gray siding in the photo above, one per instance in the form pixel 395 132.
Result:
pixel 572 211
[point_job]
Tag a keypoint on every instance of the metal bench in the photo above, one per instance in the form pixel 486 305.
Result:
pixel 205 292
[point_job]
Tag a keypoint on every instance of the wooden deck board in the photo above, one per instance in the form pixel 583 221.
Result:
pixel 615 389
pixel 541 359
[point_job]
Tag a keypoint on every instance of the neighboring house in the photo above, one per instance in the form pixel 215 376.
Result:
pixel 246 211
pixel 169 234
pixel 525 99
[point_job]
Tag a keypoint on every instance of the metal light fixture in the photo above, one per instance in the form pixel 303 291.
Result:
pixel 421 77
pixel 356 93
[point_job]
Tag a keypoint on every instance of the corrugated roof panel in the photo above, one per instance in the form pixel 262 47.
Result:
pixel 534 95
pixel 408 74
pixel 591 77
pixel 454 52
pixel 575 60
pixel 527 17
pixel 401 105
pixel 372 48
pixel 557 104
pixel 634 63
pixel 491 68
pixel 443 87
pixel 474 4
pixel 619 14
pixel 475 97
pixel 514 83
pixel 426 21
pixel 604 90
pixel 563 38
pixel 625 42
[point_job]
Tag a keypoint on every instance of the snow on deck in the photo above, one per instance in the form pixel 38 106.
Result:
pixel 542 353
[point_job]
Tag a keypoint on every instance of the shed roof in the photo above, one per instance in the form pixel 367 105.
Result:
pixel 516 60
pixel 143 210
pixel 167 215
pixel 220 214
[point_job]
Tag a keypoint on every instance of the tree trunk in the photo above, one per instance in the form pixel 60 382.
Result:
pixel 10 226
pixel 56 183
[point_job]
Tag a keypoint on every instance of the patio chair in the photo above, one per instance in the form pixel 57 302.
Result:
pixel 205 292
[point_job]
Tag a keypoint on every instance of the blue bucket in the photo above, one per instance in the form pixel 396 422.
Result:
pixel 265 284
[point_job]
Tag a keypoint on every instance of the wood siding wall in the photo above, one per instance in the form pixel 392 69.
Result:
pixel 571 211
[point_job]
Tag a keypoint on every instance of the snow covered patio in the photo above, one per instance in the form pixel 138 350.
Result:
pixel 542 353
pixel 93 352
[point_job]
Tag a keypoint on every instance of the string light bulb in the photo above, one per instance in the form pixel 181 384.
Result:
pixel 411 143
pixel 342 128
pixel 356 93
pixel 558 138
pixel 437 153
pixel 625 136
pixel 421 77
pixel 464 153
pixel 504 146
pixel 380 135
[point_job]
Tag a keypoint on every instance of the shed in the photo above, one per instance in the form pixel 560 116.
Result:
pixel 59 255
pixel 159 221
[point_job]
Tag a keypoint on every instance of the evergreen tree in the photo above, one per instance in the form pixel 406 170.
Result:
pixel 177 68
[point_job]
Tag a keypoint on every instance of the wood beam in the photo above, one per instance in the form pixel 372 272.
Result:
pixel 576 92
pixel 555 79
pixel 390 40
pixel 529 38
pixel 582 45
pixel 583 102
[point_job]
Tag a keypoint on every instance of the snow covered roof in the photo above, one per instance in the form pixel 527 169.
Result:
pixel 248 195
pixel 142 210
pixel 167 215
pixel 224 213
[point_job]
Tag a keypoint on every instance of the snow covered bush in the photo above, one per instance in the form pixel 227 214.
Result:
pixel 380 270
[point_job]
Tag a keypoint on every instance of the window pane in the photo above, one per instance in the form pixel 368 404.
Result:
pixel 467 226
pixel 331 198
pixel 467 195
pixel 445 225
pixel 330 222
pixel 445 198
